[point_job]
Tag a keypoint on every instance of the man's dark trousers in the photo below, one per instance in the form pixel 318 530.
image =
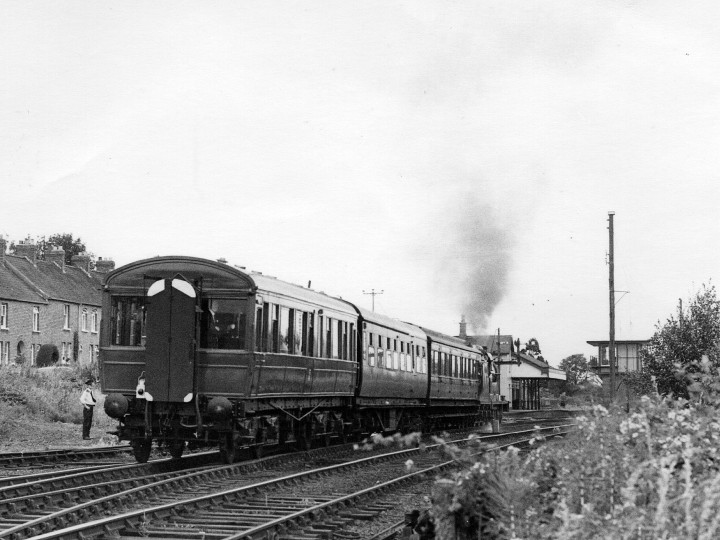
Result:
pixel 87 420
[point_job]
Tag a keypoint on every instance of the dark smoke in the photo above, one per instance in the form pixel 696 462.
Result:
pixel 480 253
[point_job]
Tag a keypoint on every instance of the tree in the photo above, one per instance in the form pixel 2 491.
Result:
pixel 72 246
pixel 676 349
pixel 532 347
pixel 576 368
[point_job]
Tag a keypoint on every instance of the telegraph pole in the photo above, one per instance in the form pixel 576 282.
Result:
pixel 611 347
pixel 374 294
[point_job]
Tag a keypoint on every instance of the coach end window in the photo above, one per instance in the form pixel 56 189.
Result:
pixel 128 321
pixel 222 324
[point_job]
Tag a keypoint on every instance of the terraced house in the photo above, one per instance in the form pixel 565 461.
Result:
pixel 49 311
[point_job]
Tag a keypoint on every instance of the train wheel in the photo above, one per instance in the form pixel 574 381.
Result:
pixel 227 448
pixel 176 449
pixel 141 449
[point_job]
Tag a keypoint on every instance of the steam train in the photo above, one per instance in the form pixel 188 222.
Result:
pixel 194 350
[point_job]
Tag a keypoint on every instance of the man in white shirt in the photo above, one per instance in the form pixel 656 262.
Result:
pixel 88 401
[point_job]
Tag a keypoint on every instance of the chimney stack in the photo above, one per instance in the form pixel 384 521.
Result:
pixel 3 247
pixel 81 261
pixel 104 265
pixel 27 248
pixel 463 327
pixel 57 256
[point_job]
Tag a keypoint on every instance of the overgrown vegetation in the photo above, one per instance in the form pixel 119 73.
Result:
pixel 49 394
pixel 654 473
pixel 650 472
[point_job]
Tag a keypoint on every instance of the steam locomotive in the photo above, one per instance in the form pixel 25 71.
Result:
pixel 194 350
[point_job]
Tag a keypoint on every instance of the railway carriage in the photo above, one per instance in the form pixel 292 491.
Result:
pixel 194 347
pixel 393 387
pixel 463 382
pixel 198 350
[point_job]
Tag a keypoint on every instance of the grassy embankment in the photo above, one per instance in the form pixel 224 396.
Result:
pixel 40 408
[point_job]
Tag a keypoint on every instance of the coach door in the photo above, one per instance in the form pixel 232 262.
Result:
pixel 170 346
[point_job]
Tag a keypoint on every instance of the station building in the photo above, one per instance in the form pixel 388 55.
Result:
pixel 525 380
pixel 49 311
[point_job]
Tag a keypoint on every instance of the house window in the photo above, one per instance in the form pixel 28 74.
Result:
pixel 64 353
pixel 5 353
pixel 83 320
pixel 32 355
pixel 36 319
pixel 94 321
pixel 66 317
pixel 3 315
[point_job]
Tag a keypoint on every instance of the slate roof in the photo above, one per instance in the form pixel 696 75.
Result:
pixel 22 280
pixel 491 342
pixel 13 287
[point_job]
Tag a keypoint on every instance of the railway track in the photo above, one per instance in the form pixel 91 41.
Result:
pixel 221 502
pixel 65 457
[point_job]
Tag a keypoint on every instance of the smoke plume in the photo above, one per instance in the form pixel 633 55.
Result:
pixel 479 256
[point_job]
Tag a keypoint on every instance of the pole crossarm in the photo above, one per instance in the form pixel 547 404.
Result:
pixel 373 293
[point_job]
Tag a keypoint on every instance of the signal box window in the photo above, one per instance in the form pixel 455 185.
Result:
pixel 222 324
pixel 128 321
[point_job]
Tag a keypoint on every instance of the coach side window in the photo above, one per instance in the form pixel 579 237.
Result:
pixel 274 329
pixel 223 324
pixel 259 327
pixel 380 354
pixel 284 330
pixel 329 342
pixel 341 340
pixel 308 333
pixel 296 331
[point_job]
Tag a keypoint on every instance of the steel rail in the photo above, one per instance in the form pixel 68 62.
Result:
pixel 68 455
pixel 136 518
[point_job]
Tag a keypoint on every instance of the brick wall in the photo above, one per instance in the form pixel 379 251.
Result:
pixel 78 344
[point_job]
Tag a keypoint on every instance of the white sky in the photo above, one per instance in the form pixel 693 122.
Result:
pixel 461 156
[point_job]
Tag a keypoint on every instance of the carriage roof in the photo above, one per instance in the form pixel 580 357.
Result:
pixel 216 276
